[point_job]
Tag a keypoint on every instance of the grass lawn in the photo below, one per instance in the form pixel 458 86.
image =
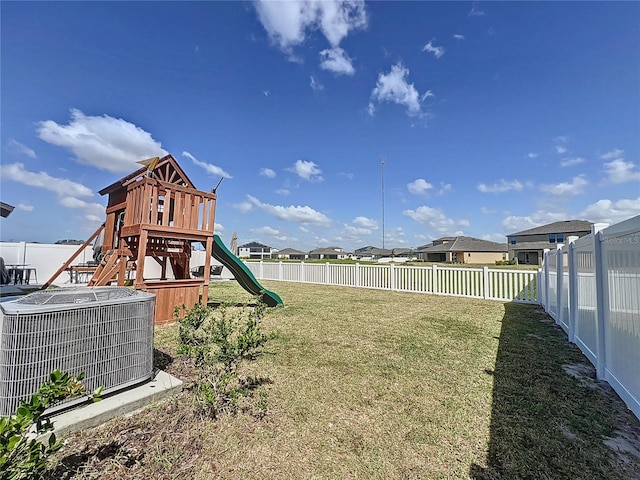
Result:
pixel 383 385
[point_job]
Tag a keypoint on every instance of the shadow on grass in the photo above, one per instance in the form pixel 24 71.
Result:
pixel 161 360
pixel 546 423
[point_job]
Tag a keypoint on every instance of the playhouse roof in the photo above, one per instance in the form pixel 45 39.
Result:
pixel 167 170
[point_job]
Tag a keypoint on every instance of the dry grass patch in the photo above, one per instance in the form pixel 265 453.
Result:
pixel 376 384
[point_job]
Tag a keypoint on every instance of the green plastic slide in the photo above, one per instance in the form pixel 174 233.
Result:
pixel 242 274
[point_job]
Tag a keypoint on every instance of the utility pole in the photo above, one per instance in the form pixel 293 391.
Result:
pixel 382 162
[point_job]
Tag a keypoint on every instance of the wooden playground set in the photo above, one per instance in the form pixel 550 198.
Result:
pixel 155 214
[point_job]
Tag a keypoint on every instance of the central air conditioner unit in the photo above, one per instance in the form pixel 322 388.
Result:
pixel 105 332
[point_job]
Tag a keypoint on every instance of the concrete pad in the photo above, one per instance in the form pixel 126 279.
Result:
pixel 127 402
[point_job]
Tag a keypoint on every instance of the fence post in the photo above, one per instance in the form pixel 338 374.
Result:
pixel 486 288
pixel 357 279
pixel 326 273
pixel 280 271
pixel 392 276
pixel 598 267
pixel 573 286
pixel 539 285
pixel 436 286
pixel 261 270
pixel 559 282
pixel 545 267
pixel 302 272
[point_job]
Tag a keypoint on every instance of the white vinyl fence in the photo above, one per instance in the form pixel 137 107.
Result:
pixel 486 283
pixel 591 288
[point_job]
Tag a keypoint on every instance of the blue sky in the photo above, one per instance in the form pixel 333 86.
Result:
pixel 492 117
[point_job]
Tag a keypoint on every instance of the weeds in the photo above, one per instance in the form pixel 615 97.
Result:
pixel 219 341
pixel 22 456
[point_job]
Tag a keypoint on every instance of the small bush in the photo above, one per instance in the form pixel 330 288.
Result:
pixel 218 341
pixel 22 456
pixel 506 262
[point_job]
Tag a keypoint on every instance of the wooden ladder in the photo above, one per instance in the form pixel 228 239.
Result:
pixel 111 267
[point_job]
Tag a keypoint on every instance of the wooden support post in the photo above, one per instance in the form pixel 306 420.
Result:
pixel 142 252
pixel 72 258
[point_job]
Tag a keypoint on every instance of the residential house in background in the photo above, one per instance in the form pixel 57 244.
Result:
pixel 371 253
pixel 291 254
pixel 332 253
pixel 527 246
pixel 256 250
pixel 462 250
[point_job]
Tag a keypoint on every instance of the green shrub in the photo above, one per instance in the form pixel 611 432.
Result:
pixel 22 456
pixel 218 341
pixel 506 262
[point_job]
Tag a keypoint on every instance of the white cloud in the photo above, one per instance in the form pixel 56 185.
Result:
pixel 298 214
pixel 337 61
pixel 618 170
pixel 475 11
pixel 303 230
pixel 315 85
pixel 571 161
pixel 532 155
pixel 24 207
pixel 365 222
pixel 218 227
pixel 351 232
pixel 502 186
pixel 66 190
pixel 494 237
pixel 287 22
pixel 419 186
pixel 434 218
pixel 431 48
pixel 91 210
pixel 576 187
pixel 266 230
pixel 211 169
pixel 60 186
pixel 514 223
pixel 282 191
pixel 393 87
pixel 606 211
pixel 104 142
pixel 21 149
pixel 486 210
pixel 561 149
pixel 307 170
pixel 444 188
pixel 613 154
pixel 267 172
pixel 458 36
pixel 244 207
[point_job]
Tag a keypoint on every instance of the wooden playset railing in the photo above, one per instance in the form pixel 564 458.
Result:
pixel 153 205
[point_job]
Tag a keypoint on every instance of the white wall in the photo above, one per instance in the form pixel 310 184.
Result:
pixel 46 258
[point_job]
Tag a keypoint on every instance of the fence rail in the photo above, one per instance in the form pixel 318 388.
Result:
pixel 490 284
pixel 591 288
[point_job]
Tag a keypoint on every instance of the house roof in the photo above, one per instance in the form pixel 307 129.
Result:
pixel 326 251
pixel 167 170
pixel 255 245
pixel 290 251
pixel 566 226
pixel 464 244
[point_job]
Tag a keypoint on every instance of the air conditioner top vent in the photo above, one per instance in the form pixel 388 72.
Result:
pixel 60 296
